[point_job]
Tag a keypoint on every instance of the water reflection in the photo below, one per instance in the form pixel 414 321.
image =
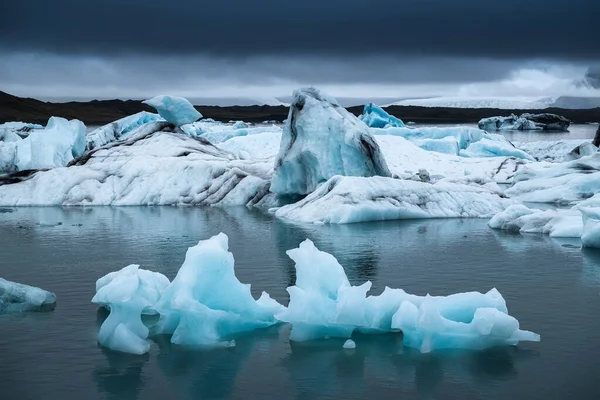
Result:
pixel 122 379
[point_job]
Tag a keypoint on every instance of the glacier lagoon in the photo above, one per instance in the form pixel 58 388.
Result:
pixel 551 285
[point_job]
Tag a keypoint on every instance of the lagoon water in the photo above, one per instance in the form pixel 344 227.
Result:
pixel 551 286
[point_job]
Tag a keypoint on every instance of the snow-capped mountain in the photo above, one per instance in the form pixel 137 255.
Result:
pixel 479 102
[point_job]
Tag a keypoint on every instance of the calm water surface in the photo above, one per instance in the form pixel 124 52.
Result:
pixel 552 287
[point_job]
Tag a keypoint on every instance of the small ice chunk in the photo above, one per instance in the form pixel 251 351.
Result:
pixel 16 297
pixel 376 117
pixel 128 294
pixel 176 110
pixel 349 344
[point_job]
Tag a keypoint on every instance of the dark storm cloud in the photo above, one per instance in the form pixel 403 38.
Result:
pixel 558 29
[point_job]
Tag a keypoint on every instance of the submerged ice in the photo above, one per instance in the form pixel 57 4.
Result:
pixel 16 297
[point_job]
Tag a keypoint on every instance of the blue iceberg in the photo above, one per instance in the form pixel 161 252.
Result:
pixel 323 304
pixel 206 305
pixel 320 140
pixel 176 110
pixel 128 294
pixel 376 117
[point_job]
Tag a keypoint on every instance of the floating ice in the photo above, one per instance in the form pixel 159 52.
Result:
pixel 590 236
pixel 128 294
pixel 119 129
pixel 176 110
pixel 323 304
pixel 349 344
pixel 321 139
pixel 147 168
pixel 376 117
pixel 425 328
pixel 353 199
pixel 206 304
pixel 556 223
pixel 16 297
pixel 526 122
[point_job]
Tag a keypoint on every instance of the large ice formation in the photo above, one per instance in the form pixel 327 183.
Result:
pixel 356 199
pixel 54 146
pixel 321 139
pixel 206 305
pixel 526 122
pixel 119 129
pixel 176 110
pixel 376 117
pixel 151 166
pixel 17 129
pixel 128 294
pixel 16 297
pixel 324 304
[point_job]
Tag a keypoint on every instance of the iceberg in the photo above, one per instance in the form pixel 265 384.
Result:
pixel 590 235
pixel 555 223
pixel 119 129
pixel 526 122
pixel 206 304
pixel 376 117
pixel 55 146
pixel 16 297
pixel 128 294
pixel 323 304
pixel 344 200
pixel 176 110
pixel 140 170
pixel 321 139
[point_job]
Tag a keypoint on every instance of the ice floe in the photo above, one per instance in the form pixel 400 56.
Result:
pixel 16 297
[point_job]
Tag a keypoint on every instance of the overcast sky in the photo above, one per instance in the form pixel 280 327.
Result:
pixel 81 49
